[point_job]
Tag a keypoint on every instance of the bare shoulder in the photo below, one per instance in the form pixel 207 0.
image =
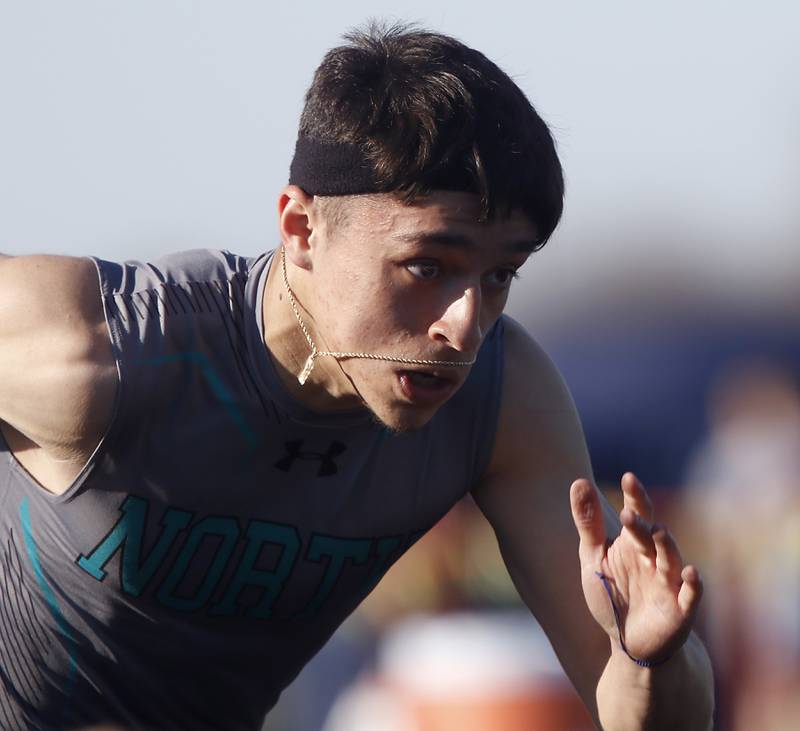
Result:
pixel 46 284
pixel 538 423
pixel 529 371
pixel 57 371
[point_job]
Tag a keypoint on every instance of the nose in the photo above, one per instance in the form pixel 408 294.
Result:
pixel 459 326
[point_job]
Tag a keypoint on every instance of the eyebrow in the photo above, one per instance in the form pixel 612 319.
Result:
pixel 459 241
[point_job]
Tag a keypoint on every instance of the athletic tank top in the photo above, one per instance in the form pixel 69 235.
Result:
pixel 221 531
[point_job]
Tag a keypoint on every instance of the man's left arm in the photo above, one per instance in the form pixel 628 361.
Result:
pixel 569 578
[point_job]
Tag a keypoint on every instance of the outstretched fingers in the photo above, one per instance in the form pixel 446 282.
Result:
pixel 587 515
pixel 636 515
pixel 639 532
pixel 635 497
pixel 669 562
pixel 691 592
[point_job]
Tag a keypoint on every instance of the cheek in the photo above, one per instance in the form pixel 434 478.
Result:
pixel 357 310
pixel 385 316
pixel 492 306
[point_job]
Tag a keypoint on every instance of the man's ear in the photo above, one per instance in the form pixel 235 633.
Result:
pixel 296 217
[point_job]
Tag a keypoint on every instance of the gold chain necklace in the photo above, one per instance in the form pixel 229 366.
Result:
pixel 309 366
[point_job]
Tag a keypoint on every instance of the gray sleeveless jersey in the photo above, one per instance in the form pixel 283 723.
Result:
pixel 221 532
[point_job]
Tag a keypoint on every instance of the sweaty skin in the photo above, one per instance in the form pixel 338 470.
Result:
pixel 427 281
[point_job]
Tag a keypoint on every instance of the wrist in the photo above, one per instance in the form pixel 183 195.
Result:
pixel 678 693
pixel 631 674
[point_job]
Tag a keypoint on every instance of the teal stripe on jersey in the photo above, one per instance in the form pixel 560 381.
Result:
pixel 50 598
pixel 219 388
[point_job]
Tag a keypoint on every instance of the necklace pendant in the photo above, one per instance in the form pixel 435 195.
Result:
pixel 307 368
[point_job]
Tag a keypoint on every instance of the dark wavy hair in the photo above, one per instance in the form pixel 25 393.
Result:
pixel 424 108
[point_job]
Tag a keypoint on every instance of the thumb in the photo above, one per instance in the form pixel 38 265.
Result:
pixel 588 517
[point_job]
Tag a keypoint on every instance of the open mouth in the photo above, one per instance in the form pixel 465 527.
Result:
pixel 425 387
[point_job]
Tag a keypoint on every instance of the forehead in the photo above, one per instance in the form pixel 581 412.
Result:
pixel 442 216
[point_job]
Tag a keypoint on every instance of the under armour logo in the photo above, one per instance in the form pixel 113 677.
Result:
pixel 327 465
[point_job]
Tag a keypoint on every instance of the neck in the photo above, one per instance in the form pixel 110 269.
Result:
pixel 327 388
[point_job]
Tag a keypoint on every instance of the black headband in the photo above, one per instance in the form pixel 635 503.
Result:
pixel 342 168
pixel 331 168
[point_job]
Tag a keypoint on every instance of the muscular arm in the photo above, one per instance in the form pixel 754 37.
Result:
pixel 57 374
pixel 539 452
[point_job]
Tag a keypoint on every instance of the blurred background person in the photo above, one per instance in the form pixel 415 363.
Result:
pixel 743 507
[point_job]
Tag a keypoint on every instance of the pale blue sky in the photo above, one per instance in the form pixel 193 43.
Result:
pixel 131 129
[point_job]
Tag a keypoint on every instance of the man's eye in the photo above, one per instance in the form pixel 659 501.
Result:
pixel 424 270
pixel 504 277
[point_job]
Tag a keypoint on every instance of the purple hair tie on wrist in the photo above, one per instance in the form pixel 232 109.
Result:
pixel 640 663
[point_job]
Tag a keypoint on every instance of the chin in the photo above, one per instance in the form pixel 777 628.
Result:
pixel 402 420
pixel 385 401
